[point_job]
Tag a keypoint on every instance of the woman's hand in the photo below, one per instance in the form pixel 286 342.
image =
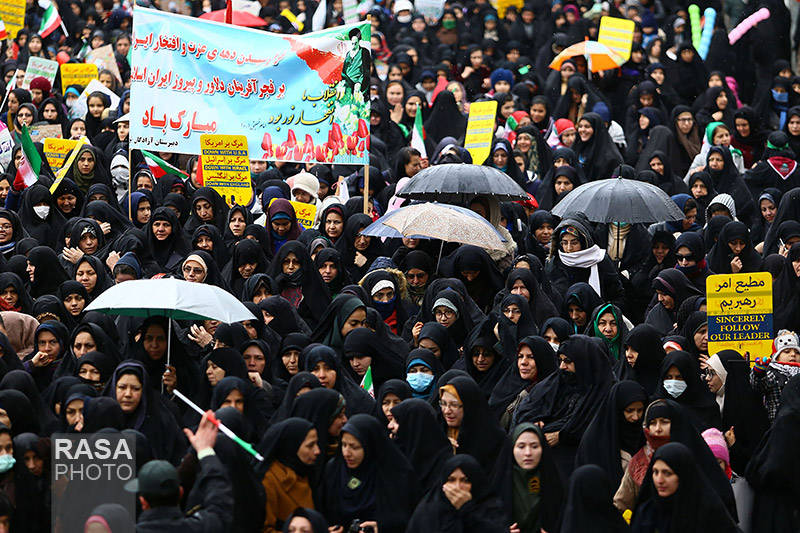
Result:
pixel 72 255
pixel 199 335
pixel 457 497
pixel 170 378
pixel 255 378
pixel 112 259
pixel 415 331
pixel 41 359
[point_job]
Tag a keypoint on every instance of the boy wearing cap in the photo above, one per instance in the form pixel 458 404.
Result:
pixel 769 376
pixel 160 491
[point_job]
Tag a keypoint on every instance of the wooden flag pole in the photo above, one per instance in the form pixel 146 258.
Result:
pixel 366 189
pixel 130 180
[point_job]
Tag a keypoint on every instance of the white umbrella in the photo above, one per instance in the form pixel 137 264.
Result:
pixel 173 298
pixel 444 222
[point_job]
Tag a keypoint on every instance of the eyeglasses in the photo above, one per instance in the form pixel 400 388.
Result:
pixel 564 244
pixel 453 406
pixel 687 119
pixel 564 360
pixel 5 227
pixel 482 353
pixel 512 311
pixel 682 258
pixel 447 313
pixel 421 275
pixel 709 373
pixel 196 271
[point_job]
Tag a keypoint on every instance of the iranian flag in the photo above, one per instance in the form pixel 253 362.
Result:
pixel 366 382
pixel 418 134
pixel 31 163
pixel 159 167
pixel 3 32
pixel 50 20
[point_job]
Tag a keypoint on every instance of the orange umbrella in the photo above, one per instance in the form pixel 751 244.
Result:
pixel 598 56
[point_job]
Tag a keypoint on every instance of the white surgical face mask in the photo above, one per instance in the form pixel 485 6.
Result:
pixel 404 19
pixel 554 346
pixel 674 387
pixel 41 211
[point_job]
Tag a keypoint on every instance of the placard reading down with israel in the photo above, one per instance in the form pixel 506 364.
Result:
pixel 740 313
pixel 296 98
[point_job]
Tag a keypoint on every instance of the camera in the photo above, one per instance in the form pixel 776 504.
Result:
pixel 355 527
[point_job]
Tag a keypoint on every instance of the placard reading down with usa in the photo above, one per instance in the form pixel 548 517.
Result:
pixel 296 98
pixel 740 313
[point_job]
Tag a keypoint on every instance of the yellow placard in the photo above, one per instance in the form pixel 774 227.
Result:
pixel 739 308
pixel 63 172
pixel 617 34
pixel 480 130
pixel 503 5
pixel 12 13
pixel 306 213
pixel 56 150
pixel 77 74
pixel 226 167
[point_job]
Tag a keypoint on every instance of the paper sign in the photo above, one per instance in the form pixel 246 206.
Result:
pixel 226 167
pixel 350 10
pixel 6 146
pixel 192 77
pixel 480 130
pixel 740 313
pixel 39 67
pixel 56 150
pixel 617 34
pixel 430 9
pixel 80 107
pixel 503 5
pixel 306 214
pixel 12 13
pixel 77 74
pixel 104 58
pixel 45 131
pixel 63 172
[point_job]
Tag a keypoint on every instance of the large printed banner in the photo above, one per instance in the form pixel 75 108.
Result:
pixel 295 98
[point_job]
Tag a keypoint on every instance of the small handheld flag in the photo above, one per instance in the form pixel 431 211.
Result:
pixel 222 427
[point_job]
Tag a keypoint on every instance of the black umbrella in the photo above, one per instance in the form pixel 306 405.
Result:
pixel 459 183
pixel 620 200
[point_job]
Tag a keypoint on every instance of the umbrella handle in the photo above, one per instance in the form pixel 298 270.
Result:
pixel 169 346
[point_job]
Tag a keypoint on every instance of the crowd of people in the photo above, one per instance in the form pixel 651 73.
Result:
pixel 562 383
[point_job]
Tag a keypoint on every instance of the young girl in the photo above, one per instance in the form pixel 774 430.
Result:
pixel 97 103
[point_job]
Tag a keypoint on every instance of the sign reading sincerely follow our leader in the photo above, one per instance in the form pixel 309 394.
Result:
pixel 480 130
pixel 296 98
pixel 226 167
pixel 739 308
